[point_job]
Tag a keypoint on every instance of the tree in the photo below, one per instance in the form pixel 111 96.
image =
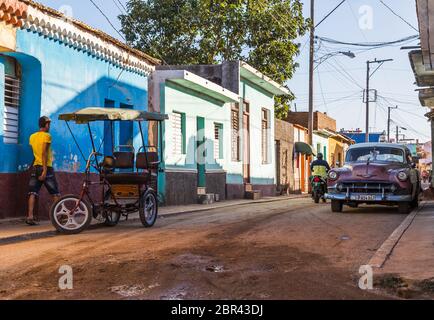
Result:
pixel 260 32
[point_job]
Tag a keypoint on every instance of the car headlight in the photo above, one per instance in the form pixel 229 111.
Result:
pixel 402 176
pixel 333 175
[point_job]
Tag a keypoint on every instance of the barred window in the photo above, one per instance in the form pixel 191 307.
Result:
pixel 265 135
pixel 178 127
pixel 11 109
pixel 218 141
pixel 235 129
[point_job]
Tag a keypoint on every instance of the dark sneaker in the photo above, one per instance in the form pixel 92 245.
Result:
pixel 31 222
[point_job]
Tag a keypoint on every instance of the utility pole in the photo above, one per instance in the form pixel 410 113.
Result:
pixel 311 70
pixel 388 123
pixel 368 77
pixel 312 63
pixel 397 134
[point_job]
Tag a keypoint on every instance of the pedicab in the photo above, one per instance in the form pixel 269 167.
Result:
pixel 125 182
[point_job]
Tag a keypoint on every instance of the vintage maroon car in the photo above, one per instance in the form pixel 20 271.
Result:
pixel 375 173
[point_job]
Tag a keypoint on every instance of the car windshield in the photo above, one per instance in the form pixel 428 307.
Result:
pixel 375 154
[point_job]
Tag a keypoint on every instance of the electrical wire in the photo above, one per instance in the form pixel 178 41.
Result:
pixel 355 19
pixel 368 44
pixel 349 79
pixel 330 13
pixel 406 124
pixel 400 17
pixel 108 20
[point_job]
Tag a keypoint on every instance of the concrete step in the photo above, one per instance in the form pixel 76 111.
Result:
pixel 253 195
pixel 248 187
pixel 206 198
pixel 201 191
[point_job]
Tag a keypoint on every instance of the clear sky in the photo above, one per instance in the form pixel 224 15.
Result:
pixel 340 80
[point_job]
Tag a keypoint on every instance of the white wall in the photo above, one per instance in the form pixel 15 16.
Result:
pixel 259 99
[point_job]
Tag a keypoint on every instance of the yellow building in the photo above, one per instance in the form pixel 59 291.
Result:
pixel 338 146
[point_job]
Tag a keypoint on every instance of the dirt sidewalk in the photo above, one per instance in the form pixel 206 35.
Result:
pixel 409 271
pixel 14 230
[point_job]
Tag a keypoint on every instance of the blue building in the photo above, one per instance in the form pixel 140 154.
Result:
pixel 51 64
pixel 360 137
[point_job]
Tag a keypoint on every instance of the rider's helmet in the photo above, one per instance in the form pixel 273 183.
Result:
pixel 320 156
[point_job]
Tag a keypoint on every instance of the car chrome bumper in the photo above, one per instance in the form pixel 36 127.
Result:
pixel 378 197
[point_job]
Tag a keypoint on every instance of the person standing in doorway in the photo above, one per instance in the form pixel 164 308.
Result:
pixel 42 169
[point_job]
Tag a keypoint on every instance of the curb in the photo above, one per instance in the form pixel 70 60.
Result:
pixel 385 251
pixel 27 237
pixel 37 236
pixel 229 205
pixel 51 233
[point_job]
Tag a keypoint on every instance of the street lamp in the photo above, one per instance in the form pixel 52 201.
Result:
pixel 324 58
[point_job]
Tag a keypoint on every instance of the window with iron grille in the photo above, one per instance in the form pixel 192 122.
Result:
pixel 11 109
pixel 178 127
pixel 235 129
pixel 265 135
pixel 218 141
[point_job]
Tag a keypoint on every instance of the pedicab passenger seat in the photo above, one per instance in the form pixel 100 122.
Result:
pixel 125 161
pixel 147 161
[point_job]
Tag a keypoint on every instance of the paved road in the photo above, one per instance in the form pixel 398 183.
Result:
pixel 282 250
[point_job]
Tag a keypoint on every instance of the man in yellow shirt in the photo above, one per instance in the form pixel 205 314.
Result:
pixel 42 169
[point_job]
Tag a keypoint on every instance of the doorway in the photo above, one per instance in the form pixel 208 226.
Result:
pixel 201 153
pixel 246 143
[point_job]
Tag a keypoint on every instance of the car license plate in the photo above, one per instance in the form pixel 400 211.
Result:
pixel 364 197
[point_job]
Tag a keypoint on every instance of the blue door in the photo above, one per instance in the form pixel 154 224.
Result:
pixel 126 129
pixel 108 137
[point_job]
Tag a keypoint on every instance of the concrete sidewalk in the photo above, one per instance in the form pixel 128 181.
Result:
pixel 413 256
pixel 13 230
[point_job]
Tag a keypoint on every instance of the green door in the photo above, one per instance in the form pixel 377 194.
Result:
pixel 201 153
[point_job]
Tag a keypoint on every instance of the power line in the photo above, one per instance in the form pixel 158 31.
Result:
pixel 330 13
pixel 346 75
pixel 322 92
pixel 368 44
pixel 108 19
pixel 401 109
pixel 122 5
pixel 400 17
pixel 407 125
pixel 117 5
pixel 355 19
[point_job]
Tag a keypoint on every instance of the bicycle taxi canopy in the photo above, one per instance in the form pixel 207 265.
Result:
pixel 93 114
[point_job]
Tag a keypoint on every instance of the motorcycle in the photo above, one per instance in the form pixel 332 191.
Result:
pixel 319 186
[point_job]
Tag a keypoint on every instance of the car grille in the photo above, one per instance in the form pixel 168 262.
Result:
pixel 368 187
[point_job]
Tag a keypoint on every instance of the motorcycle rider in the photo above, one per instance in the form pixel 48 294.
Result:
pixel 320 168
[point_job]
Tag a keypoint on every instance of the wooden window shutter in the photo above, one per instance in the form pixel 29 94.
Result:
pixel 235 140
pixel 177 133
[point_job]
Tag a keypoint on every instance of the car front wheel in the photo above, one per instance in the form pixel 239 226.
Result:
pixel 337 206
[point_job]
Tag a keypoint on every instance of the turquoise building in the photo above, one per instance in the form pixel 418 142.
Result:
pixel 219 139
pixel 51 64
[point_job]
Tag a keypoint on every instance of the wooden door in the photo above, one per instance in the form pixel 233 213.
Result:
pixel 246 143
